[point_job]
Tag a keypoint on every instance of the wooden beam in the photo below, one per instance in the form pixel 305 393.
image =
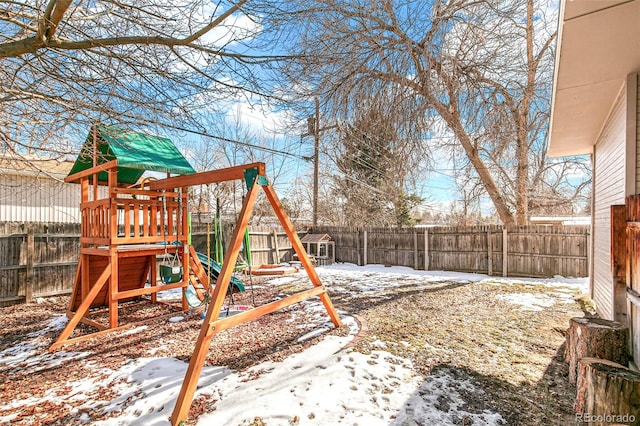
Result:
pixel 201 349
pixel 113 288
pixel 76 287
pixel 91 171
pixel 82 309
pixel 148 290
pixel 202 178
pixel 111 330
pixel 633 296
pixel 300 251
pixel 228 322
pixel 93 323
pixel 197 269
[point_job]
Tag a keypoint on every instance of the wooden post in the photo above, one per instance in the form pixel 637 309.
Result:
pixel 366 249
pixel 594 337
pixel 426 249
pixel 29 281
pixel 95 161
pixel 112 176
pixel 489 254
pixel 113 287
pixel 415 250
pixel 358 258
pixel 618 241
pixel 504 252
pixel 607 393
pixel 275 245
pixel 153 276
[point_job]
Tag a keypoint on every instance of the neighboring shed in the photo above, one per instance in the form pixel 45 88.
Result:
pixel 595 109
pixel 321 247
pixel 32 190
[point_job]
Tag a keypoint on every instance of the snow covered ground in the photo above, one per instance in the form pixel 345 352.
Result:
pixel 326 384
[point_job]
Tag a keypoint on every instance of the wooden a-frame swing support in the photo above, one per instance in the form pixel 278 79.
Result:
pixel 113 266
pixel 255 177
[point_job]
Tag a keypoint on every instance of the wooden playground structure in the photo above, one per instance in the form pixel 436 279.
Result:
pixel 128 224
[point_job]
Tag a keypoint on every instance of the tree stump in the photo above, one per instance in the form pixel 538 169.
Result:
pixel 596 338
pixel 608 393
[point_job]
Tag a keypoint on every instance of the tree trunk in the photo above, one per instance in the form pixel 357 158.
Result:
pixel 597 338
pixel 608 393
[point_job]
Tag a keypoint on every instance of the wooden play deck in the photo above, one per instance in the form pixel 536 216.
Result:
pixel 122 238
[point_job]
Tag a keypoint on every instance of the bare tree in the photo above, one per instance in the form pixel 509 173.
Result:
pixel 65 65
pixel 482 69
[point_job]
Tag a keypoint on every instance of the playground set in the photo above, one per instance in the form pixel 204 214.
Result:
pixel 135 241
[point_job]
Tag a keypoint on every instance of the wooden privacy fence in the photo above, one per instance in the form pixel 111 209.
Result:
pixel 531 251
pixel 627 260
pixel 37 260
pixel 268 245
pixel 40 260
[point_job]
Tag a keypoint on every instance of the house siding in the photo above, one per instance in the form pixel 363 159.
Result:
pixel 633 310
pixel 609 173
pixel 26 198
pixel 637 134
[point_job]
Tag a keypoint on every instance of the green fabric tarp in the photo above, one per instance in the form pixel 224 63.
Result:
pixel 136 153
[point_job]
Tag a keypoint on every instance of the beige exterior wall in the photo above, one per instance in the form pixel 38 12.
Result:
pixel 28 198
pixel 633 311
pixel 635 131
pixel 609 177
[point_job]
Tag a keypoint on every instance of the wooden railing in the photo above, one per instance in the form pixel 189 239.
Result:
pixel 141 217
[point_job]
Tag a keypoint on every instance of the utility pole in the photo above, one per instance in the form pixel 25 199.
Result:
pixel 316 167
pixel 313 129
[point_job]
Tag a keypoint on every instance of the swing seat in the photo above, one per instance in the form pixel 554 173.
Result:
pixel 171 274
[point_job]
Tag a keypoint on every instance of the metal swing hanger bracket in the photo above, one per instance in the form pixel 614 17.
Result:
pixel 252 176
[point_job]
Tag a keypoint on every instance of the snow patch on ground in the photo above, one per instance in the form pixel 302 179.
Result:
pixel 325 384
pixel 528 301
pixel 438 402
pixel 31 355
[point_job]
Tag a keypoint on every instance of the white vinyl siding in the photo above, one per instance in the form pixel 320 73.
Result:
pixel 28 198
pixel 637 132
pixel 634 314
pixel 609 175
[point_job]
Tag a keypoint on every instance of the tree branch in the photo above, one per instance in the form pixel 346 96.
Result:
pixel 54 13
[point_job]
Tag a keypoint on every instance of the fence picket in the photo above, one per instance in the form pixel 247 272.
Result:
pixel 48 262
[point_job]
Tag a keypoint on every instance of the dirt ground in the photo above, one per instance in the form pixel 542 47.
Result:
pixel 514 356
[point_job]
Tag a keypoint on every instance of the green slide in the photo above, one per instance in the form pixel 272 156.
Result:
pixel 213 268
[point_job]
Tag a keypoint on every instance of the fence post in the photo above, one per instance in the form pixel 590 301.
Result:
pixel 358 257
pixel 504 252
pixel 426 249
pixel 489 254
pixel 28 293
pixel 275 245
pixel 415 250
pixel 366 248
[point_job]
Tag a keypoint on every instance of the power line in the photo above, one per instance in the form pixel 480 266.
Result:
pixel 237 142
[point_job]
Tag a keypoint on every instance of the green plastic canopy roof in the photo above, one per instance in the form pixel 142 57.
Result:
pixel 136 153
